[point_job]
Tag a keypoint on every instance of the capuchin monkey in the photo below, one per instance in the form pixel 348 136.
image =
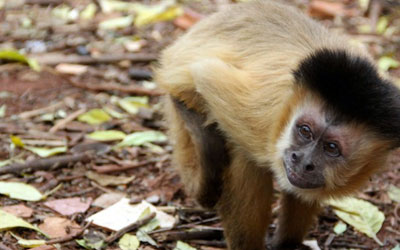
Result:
pixel 260 91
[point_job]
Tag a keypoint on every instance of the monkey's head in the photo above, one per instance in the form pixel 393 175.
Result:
pixel 345 120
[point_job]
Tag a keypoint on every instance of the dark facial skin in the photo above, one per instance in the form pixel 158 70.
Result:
pixel 316 145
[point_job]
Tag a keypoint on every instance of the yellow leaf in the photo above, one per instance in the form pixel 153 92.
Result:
pixel 394 193
pixel 108 135
pixel 17 141
pixel 382 24
pixel 116 23
pixel 183 246
pixel 28 243
pixel 46 152
pixel 94 117
pixel 9 221
pixel 386 62
pixel 133 103
pixel 362 215
pixel 340 227
pixel 20 191
pixel 89 11
pixel 128 242
pixel 13 55
pixel 140 138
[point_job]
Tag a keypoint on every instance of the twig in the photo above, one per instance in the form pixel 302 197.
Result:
pixel 69 237
pixel 348 245
pixel 211 243
pixel 131 89
pixel 44 164
pixel 130 227
pixel 61 124
pixel 43 2
pixel 29 114
pixel 54 59
pixel 205 234
pixel 116 168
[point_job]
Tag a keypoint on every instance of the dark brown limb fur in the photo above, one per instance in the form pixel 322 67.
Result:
pixel 295 219
pixel 213 155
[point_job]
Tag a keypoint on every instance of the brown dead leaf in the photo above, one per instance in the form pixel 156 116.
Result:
pixel 107 199
pixel 109 180
pixel 59 227
pixel 19 210
pixel 325 9
pixel 188 19
pixel 69 206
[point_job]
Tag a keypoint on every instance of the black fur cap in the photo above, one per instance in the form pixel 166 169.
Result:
pixel 352 86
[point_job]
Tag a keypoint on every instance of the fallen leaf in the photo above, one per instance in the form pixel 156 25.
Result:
pixel 107 135
pixel 188 19
pixel 109 180
pixel 20 191
pixel 46 152
pixel 140 138
pixel 92 240
pixel 128 242
pixel 382 24
pixel 9 221
pixel 166 10
pixel 117 23
pixel 28 243
pixel 3 110
pixel 183 246
pixel 312 244
pixel 17 141
pixel 144 237
pixel 340 227
pixel 19 210
pixel 394 193
pixel 362 215
pixel 44 247
pixel 13 55
pixel 107 199
pixel 122 213
pixel 59 227
pixel 94 117
pixel 133 103
pixel 69 206
pixel 385 63
pixel 71 69
pixel 325 9
pixel 89 12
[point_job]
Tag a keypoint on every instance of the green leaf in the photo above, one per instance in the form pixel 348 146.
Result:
pixel 10 221
pixel 129 242
pixel 28 243
pixel 108 135
pixel 133 103
pixel 13 55
pixel 94 117
pixel 385 63
pixel 362 215
pixel 382 24
pixel 46 152
pixel 144 237
pixel 340 227
pixel 89 12
pixel 394 193
pixel 20 191
pixel 5 162
pixel 183 246
pixel 140 138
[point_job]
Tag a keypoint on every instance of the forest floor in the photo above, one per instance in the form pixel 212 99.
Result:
pixel 98 56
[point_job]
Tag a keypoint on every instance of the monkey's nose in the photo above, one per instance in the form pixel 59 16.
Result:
pixel 309 167
pixel 295 157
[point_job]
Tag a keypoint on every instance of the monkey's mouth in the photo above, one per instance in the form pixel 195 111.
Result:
pixel 297 180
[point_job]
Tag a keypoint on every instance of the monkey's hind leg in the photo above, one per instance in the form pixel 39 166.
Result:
pixel 199 152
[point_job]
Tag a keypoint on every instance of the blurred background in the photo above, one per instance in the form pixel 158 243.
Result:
pixel 82 137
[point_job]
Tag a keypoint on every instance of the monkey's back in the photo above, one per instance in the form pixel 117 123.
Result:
pixel 263 38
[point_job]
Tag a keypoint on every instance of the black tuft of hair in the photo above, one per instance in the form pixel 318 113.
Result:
pixel 352 86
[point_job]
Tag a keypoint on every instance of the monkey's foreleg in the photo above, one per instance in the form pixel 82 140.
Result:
pixel 295 219
pixel 245 204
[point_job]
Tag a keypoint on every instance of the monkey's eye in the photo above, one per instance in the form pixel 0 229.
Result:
pixel 305 132
pixel 332 149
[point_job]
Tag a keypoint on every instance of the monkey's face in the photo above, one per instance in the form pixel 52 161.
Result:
pixel 321 154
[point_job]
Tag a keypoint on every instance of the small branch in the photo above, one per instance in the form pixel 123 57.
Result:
pixel 68 237
pixel 204 234
pixel 116 168
pixel 210 243
pixel 131 89
pixel 54 59
pixel 61 124
pixel 44 2
pixel 29 114
pixel 130 227
pixel 44 164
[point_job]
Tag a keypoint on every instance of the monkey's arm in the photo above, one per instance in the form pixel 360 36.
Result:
pixel 295 219
pixel 227 93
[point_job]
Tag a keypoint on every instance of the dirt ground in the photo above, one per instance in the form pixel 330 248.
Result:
pixel 85 67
